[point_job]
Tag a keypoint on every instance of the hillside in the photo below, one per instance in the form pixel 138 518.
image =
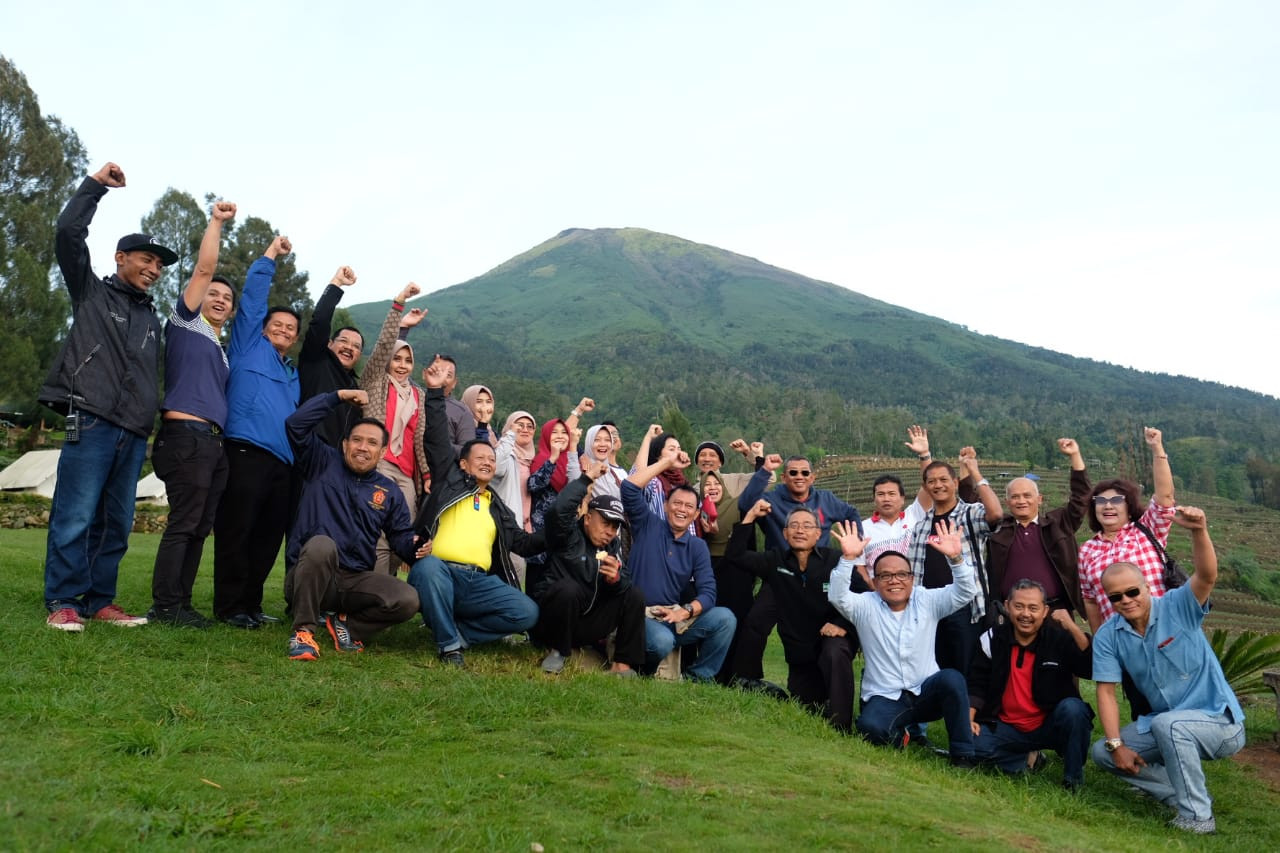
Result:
pixel 641 321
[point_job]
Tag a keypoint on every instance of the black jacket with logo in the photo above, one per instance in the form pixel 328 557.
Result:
pixel 1058 659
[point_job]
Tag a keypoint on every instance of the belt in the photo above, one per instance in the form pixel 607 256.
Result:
pixel 194 426
pixel 466 567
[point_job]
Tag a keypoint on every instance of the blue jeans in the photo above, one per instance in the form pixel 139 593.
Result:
pixel 1173 749
pixel 91 516
pixel 466 607
pixel 713 629
pixel 1067 731
pixel 943 695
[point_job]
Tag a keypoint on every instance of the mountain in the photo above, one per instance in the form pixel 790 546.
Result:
pixel 645 322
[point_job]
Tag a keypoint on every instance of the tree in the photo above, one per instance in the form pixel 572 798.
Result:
pixel 41 161
pixel 245 245
pixel 177 221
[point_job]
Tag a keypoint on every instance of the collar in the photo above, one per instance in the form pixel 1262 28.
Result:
pixel 875 517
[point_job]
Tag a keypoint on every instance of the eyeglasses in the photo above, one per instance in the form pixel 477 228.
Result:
pixel 795 472
pixel 1102 500
pixel 524 426
pixel 801 525
pixel 894 576
pixel 1117 597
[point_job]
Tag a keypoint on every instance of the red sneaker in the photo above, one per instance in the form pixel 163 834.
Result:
pixel 66 619
pixel 113 614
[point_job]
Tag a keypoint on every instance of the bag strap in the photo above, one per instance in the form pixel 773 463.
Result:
pixel 1164 556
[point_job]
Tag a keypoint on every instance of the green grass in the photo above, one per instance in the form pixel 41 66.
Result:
pixel 172 739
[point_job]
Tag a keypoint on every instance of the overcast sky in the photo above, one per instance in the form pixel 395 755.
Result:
pixel 1095 178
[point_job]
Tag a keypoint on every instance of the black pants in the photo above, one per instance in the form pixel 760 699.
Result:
pixel 250 526
pixel 825 685
pixel 751 639
pixel 188 456
pixel 954 643
pixel 734 590
pixel 562 624
pixel 371 601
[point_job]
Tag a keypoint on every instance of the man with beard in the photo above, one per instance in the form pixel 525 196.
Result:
pixel 346 505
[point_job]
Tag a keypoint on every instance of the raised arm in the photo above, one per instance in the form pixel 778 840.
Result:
pixel 207 259
pixel 1203 557
pixel 642 452
pixel 672 457
pixel 1161 474
pixel 756 485
pixel 986 494
pixel 252 310
pixel 376 366
pixel 918 443
pixel 70 244
pixel 316 340
pixel 1078 503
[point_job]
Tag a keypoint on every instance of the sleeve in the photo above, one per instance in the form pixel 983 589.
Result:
pixel 955 595
pixel 317 338
pixel 633 502
pixel 252 310
pixel 980 672
pixel 754 490
pixel 399 529
pixel 437 448
pixel 1078 504
pixel 1159 520
pixel 540 480
pixel 564 512
pixel 1084 561
pixel 1106 661
pixel 301 425
pixel 704 579
pixel 375 367
pixel 1081 660
pixel 842 598
pixel 573 467
pixel 464 427
pixel 736 554
pixel 70 246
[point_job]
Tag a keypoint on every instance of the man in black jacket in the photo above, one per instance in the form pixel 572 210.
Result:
pixel 1022 690
pixel 469 590
pixel 104 382
pixel 584 592
pixel 817 641
pixel 327 362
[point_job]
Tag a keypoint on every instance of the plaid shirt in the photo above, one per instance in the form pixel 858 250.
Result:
pixel 972 521
pixel 1131 545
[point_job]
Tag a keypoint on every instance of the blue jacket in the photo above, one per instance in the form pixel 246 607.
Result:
pixel 351 509
pixel 263 388
pixel 825 505
pixel 660 564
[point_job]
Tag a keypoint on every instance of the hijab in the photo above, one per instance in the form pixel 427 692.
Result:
pixel 406 403
pixel 469 400
pixel 560 476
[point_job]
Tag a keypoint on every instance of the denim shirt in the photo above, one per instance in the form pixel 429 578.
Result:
pixel 1172 664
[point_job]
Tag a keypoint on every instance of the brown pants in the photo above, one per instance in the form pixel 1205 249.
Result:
pixel 371 601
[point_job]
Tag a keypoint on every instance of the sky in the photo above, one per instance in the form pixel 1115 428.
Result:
pixel 1096 178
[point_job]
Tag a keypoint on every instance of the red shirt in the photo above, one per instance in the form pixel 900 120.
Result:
pixel 1017 708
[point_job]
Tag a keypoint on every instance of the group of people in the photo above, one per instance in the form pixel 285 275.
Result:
pixel 965 609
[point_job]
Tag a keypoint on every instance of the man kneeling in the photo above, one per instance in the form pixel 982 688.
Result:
pixel 345 506
pixel 1022 693
pixel 901 683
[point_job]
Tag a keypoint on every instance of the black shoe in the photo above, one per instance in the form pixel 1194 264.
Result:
pixel 964 762
pixel 242 620
pixel 178 617
pixel 921 742
pixel 266 619
pixel 453 658
pixel 759 685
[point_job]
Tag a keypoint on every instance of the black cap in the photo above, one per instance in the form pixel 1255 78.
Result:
pixel 609 507
pixel 147 243
pixel 717 448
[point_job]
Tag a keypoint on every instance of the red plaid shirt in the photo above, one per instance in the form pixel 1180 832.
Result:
pixel 1131 545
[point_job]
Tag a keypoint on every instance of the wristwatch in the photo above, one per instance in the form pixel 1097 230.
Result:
pixel 1112 744
pixel 689 609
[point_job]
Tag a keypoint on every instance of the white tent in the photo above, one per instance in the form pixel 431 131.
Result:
pixel 151 489
pixel 35 472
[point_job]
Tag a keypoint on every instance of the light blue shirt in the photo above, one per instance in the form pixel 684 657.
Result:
pixel 1172 664
pixel 898 647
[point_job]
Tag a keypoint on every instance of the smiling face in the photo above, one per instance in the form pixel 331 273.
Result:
pixel 801 531
pixel 1028 610
pixel 602 444
pixel 1111 509
pixel 139 269
pixel 482 408
pixel 218 303
pixel 713 489
pixel 1121 579
pixel 708 460
pixel 797 476
pixel 894 580
pixel 682 509
pixel 347 346
pixel 1023 499
pixel 941 486
pixel 362 449
pixel 524 428
pixel 281 329
pixel 480 462
pixel 401 364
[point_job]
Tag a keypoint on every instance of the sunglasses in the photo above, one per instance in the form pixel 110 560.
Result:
pixel 796 472
pixel 1117 597
pixel 1114 500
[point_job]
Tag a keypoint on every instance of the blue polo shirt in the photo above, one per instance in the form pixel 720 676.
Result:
pixel 1172 664
pixel 662 565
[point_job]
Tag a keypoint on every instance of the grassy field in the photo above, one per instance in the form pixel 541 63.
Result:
pixel 169 739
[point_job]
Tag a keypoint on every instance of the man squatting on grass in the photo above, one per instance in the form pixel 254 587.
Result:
pixel 1194 715
pixel 346 505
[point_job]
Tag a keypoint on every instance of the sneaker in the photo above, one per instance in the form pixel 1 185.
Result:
pixel 342 639
pixel 242 620
pixel 265 619
pixel 963 762
pixel 553 662
pixel 1199 827
pixel 178 617
pixel 453 658
pixel 66 619
pixel 116 616
pixel 303 646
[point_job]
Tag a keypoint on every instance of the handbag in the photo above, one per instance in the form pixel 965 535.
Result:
pixel 1174 575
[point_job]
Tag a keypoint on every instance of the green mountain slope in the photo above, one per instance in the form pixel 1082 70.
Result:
pixel 641 320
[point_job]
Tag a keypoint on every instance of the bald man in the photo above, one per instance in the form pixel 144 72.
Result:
pixel 1028 544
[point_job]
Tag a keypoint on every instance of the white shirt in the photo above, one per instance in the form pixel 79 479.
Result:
pixel 889 534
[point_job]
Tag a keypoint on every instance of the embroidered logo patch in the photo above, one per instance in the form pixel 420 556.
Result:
pixel 378 499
